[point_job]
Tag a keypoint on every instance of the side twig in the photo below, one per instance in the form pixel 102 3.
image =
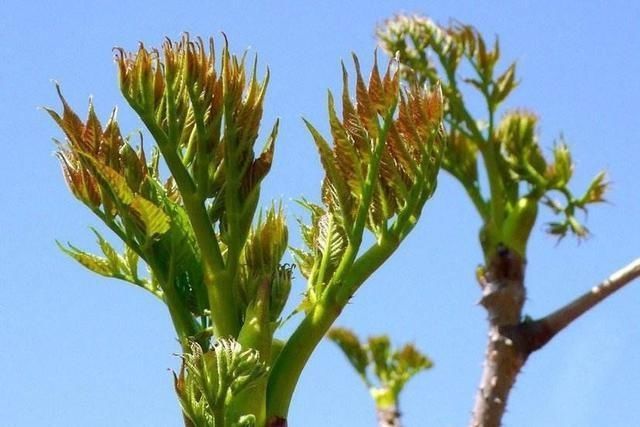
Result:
pixel 541 331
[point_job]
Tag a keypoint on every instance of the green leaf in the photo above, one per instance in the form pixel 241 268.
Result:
pixel 347 157
pixel 116 182
pixel 155 221
pixel 408 361
pixel 131 258
pixel 97 264
pixel 380 349
pixel 352 348
pixel 331 240
pixel 335 178
pixel 109 252
pixel 504 85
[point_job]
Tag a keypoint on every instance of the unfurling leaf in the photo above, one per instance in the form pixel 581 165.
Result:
pixel 517 136
pixel 560 171
pixel 325 240
pixel 504 85
pixel 334 178
pixel 461 158
pixel 409 361
pixel 210 379
pixel 280 290
pixel 267 242
pixel 262 255
pixel 596 191
pixel 99 265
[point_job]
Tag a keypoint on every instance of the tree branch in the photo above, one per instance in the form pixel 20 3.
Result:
pixel 543 330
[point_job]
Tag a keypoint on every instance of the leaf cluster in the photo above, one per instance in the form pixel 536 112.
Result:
pixel 518 174
pixel 392 368
pixel 210 257
pixel 208 382
pixel 380 170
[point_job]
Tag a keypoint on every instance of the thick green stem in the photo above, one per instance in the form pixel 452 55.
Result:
pixel 294 356
pixel 349 275
pixel 221 302
pixel 364 267
pixel 256 334
pixel 296 352
pixel 498 202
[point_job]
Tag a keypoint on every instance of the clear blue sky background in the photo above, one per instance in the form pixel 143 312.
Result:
pixel 78 350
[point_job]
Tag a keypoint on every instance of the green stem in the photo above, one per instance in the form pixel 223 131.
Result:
pixel 364 267
pixel 233 206
pixel 538 181
pixel 455 97
pixel 296 352
pixel 256 334
pixel 183 322
pixel 489 152
pixel 221 301
pixel 487 147
pixel 294 356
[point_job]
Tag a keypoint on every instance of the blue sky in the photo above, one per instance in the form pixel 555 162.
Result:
pixel 79 350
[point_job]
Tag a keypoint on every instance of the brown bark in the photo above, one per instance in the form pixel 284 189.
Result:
pixel 503 295
pixel 389 417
